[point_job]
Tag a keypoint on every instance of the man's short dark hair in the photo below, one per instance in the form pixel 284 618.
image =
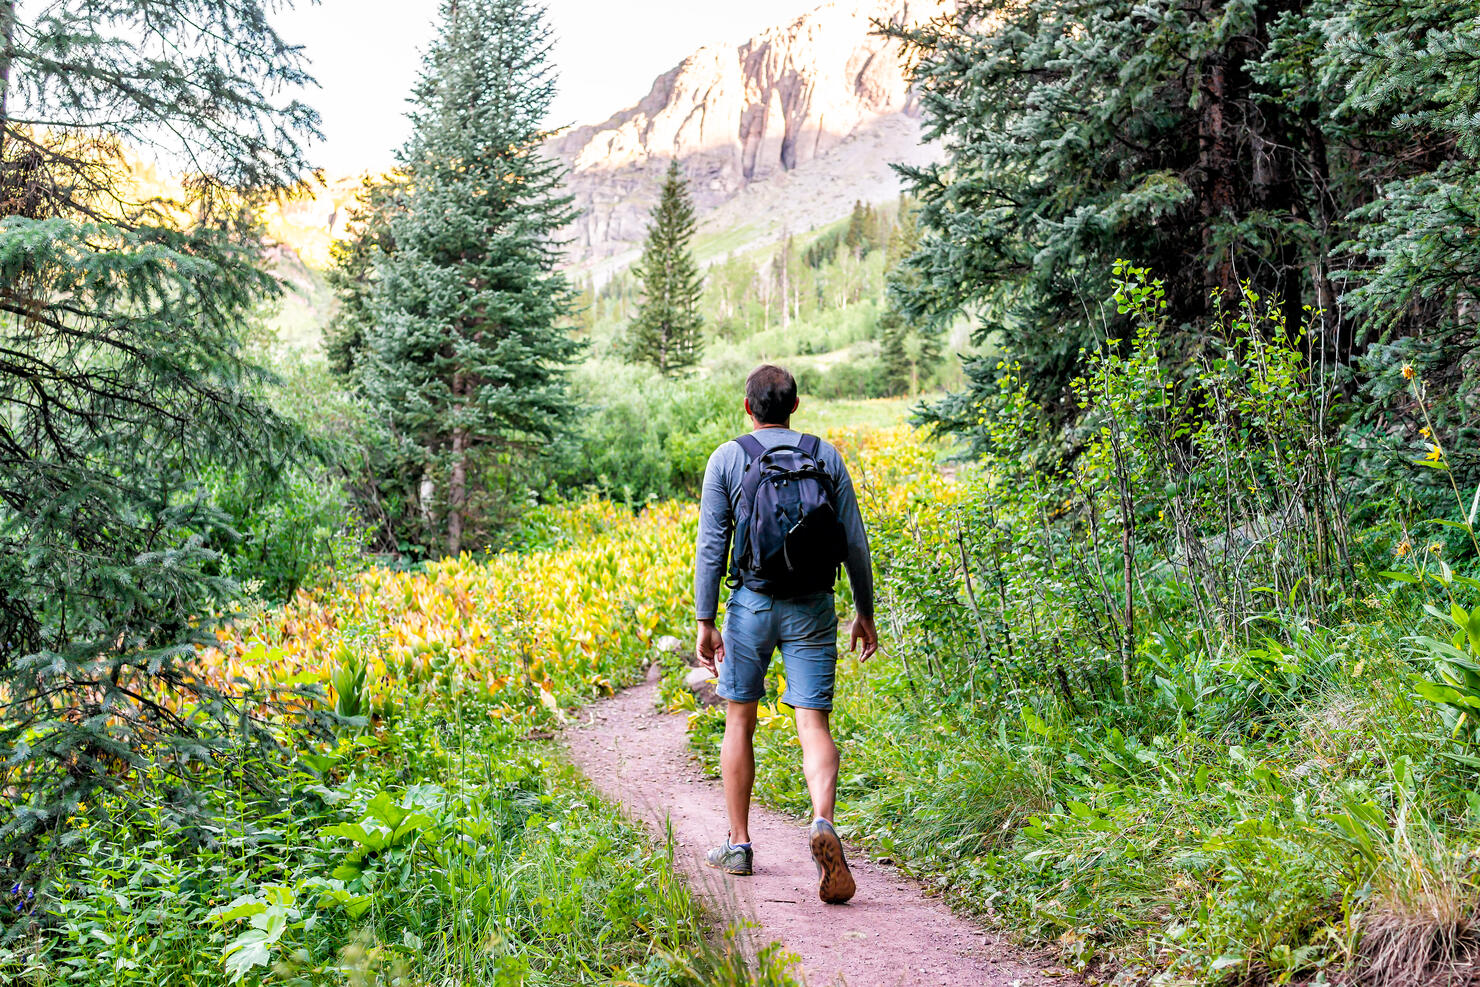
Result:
pixel 772 393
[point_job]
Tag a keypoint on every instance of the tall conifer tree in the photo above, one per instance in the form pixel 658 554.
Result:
pixel 122 377
pixel 666 331
pixel 1082 133
pixel 351 275
pixel 1402 83
pixel 465 357
pixel 910 349
pixel 1321 151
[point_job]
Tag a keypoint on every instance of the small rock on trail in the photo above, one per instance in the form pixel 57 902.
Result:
pixel 701 682
pixel 890 935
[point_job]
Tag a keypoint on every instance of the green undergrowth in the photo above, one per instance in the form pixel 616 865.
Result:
pixel 1199 842
pixel 1198 706
pixel 427 852
pixel 411 823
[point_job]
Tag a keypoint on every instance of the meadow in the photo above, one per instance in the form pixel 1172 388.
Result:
pixel 411 822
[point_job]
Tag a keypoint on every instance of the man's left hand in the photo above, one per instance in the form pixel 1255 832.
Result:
pixel 864 630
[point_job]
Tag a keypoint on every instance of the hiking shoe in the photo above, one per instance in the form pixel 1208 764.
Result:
pixel 732 859
pixel 834 880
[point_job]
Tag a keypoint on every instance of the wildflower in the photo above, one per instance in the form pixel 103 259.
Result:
pixel 1408 371
pixel 1435 454
pixel 1404 547
pixel 1436 547
pixel 1424 432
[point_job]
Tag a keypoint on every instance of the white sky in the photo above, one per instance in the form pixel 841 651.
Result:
pixel 366 54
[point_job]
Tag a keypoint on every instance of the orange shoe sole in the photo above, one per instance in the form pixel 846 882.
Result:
pixel 835 883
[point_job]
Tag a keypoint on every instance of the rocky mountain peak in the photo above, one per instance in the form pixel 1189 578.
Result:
pixel 817 94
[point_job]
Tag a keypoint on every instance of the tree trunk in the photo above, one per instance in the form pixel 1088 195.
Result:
pixel 1216 162
pixel 457 491
pixel 457 483
pixel 7 58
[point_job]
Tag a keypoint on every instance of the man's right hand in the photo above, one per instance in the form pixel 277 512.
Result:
pixel 863 632
pixel 710 646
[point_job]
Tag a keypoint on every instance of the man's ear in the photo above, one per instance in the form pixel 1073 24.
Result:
pixel 748 412
pixel 795 405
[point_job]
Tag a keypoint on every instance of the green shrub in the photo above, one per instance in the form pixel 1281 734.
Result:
pixel 646 437
pixel 296 529
pixel 847 380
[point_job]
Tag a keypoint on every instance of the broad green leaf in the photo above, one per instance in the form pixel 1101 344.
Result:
pixel 1436 693
pixel 1033 722
pixel 417 822
pixel 245 953
pixel 383 809
pixel 243 906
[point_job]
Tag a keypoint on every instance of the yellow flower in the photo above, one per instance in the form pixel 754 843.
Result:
pixel 1435 454
pixel 1403 548
pixel 1408 371
pixel 1436 547
pixel 1424 432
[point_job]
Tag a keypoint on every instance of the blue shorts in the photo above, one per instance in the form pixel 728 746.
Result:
pixel 806 631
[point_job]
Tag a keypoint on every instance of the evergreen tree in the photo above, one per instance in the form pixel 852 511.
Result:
pixel 351 275
pixel 1082 133
pixel 1400 81
pixel 123 382
pixel 894 351
pixel 1324 152
pixel 666 330
pixel 911 348
pixel 464 355
pixel 856 237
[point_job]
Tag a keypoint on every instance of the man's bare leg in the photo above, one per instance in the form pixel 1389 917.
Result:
pixel 737 766
pixel 820 764
pixel 819 761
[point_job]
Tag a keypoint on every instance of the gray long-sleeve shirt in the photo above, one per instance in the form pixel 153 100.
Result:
pixel 721 498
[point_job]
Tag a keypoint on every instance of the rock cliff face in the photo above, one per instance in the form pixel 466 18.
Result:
pixel 816 102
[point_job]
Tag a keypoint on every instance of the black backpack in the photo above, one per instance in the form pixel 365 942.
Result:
pixel 788 539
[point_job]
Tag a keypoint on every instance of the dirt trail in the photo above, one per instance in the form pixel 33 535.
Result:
pixel 890 935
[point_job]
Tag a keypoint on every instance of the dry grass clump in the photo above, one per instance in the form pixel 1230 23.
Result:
pixel 1416 949
pixel 1425 928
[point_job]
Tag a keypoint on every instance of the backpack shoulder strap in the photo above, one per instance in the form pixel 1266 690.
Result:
pixel 740 542
pixel 752 446
pixel 809 445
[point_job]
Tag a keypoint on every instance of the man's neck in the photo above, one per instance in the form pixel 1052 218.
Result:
pixel 761 425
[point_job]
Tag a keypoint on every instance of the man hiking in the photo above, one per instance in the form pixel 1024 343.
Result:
pixel 779 515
